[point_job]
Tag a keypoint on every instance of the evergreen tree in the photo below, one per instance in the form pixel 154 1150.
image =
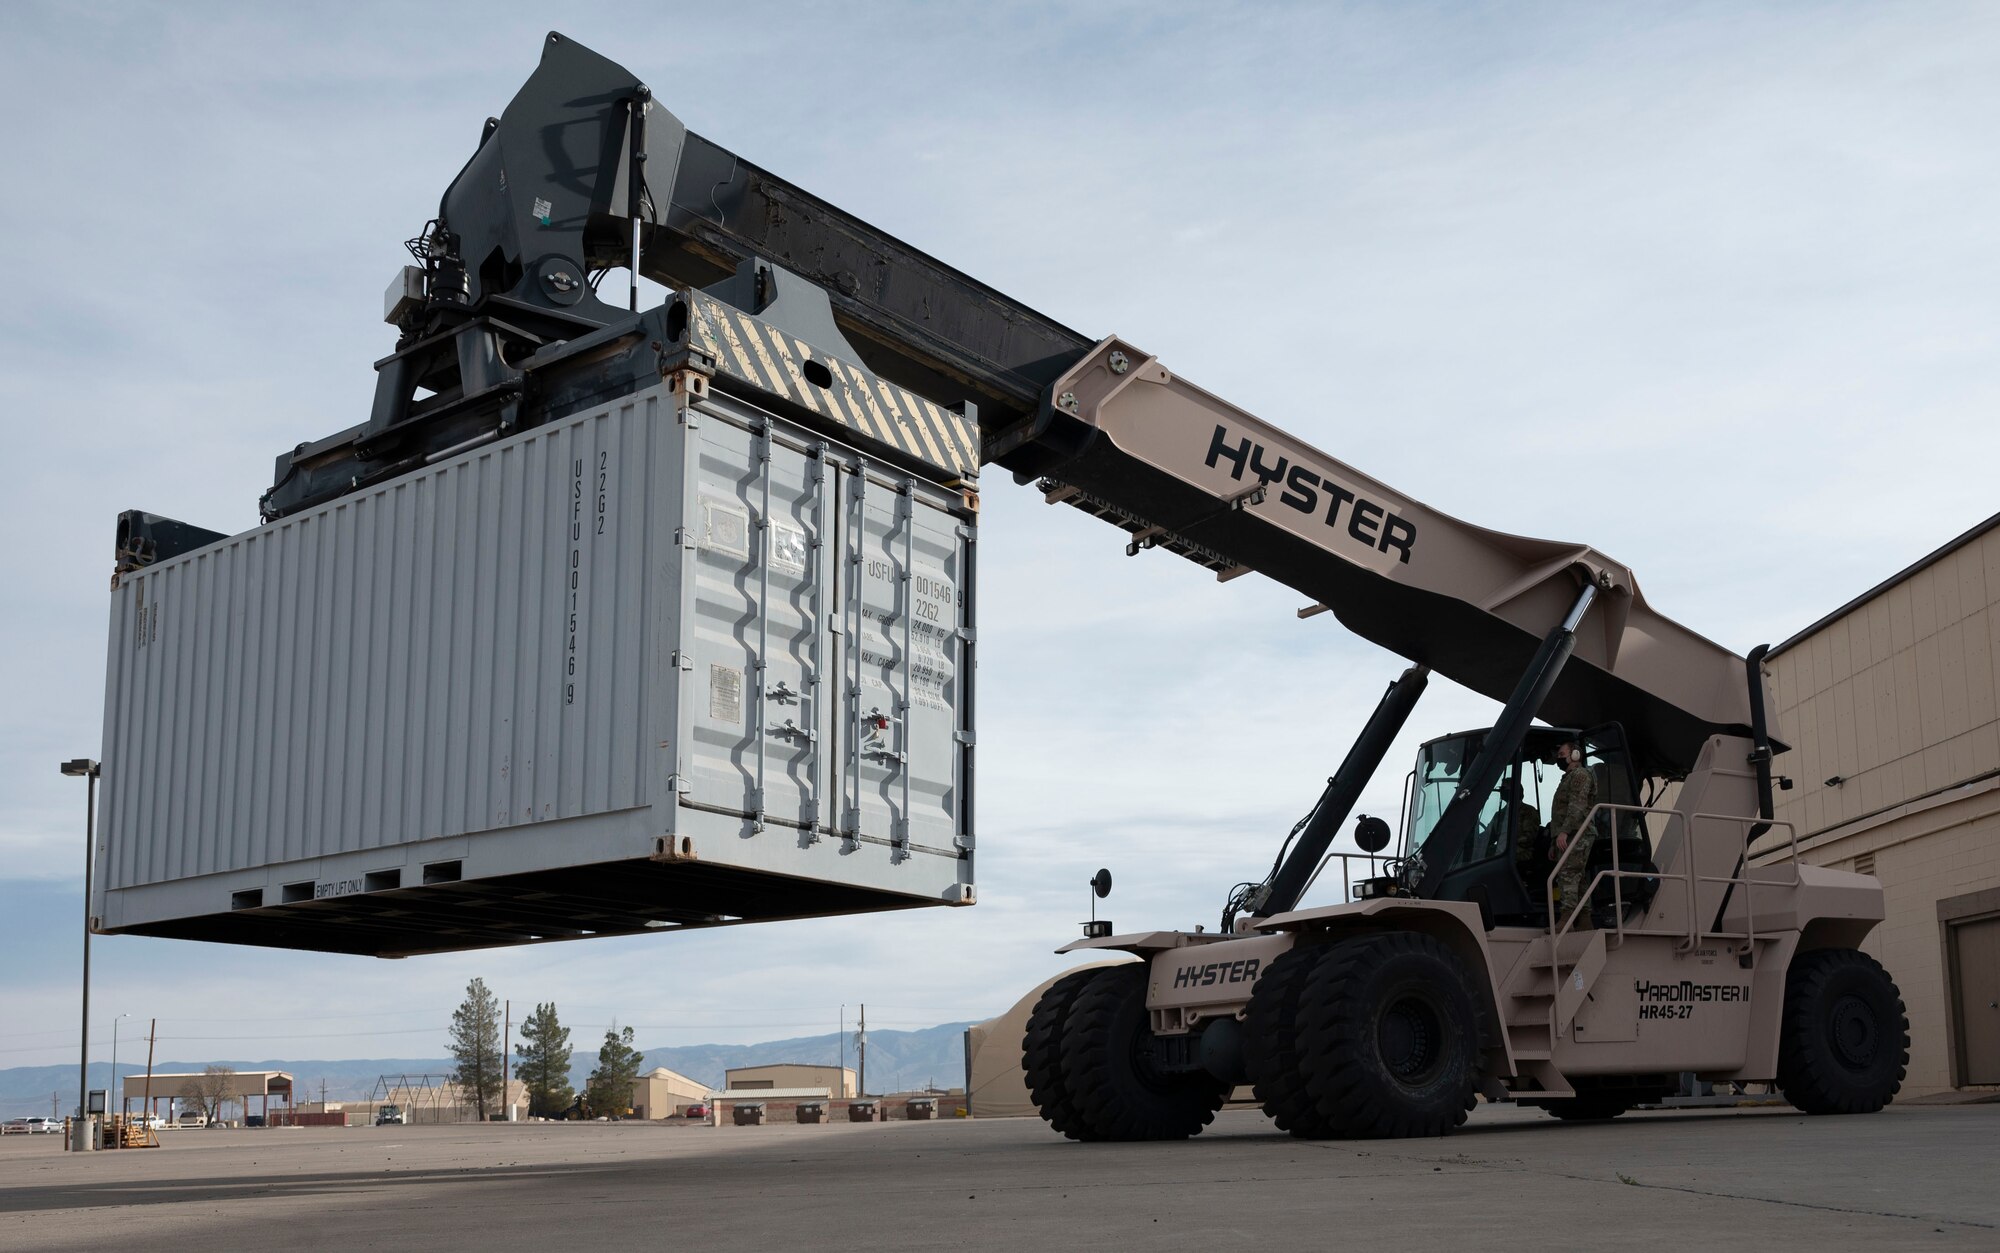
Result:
pixel 475 1043
pixel 544 1062
pixel 610 1090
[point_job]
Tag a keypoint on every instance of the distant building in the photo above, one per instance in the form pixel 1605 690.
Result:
pixel 662 1093
pixel 837 1081
pixel 250 1089
pixel 427 1099
pixel 1890 706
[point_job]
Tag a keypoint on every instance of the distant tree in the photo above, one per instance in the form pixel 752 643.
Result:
pixel 208 1090
pixel 475 1043
pixel 544 1062
pixel 610 1089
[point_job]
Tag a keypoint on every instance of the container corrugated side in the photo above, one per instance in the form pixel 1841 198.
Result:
pixel 383 718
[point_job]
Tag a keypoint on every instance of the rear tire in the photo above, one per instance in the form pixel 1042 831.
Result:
pixel 1107 1066
pixel 1041 1055
pixel 1844 1044
pixel 1392 1032
pixel 1271 1044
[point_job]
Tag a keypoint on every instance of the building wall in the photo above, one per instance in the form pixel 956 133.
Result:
pixel 836 1080
pixel 1896 698
pixel 664 1094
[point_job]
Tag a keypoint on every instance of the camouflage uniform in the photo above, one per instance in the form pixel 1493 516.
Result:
pixel 1527 832
pixel 1574 796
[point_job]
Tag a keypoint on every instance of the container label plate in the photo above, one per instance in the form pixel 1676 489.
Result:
pixel 725 694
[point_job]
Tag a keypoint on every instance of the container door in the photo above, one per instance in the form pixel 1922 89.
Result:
pixel 757 642
pixel 904 687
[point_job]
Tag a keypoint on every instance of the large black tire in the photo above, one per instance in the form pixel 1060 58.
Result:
pixel 1107 1065
pixel 1041 1055
pixel 1393 1037
pixel 1844 1044
pixel 1271 1044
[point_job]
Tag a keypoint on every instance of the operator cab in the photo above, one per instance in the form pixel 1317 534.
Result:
pixel 1503 862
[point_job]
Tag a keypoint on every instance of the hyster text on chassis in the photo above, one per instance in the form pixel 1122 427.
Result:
pixel 1458 972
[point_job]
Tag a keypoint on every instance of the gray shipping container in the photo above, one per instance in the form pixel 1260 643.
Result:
pixel 670 661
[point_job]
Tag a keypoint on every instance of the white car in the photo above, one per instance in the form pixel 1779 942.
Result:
pixel 44 1126
pixel 191 1118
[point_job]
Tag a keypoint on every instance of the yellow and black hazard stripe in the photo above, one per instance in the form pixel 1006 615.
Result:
pixel 757 353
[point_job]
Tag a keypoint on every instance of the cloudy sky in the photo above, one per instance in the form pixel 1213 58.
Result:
pixel 1711 287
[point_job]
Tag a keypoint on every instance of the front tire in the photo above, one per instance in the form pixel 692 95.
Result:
pixel 1041 1055
pixel 1109 1068
pixel 1271 1044
pixel 1844 1044
pixel 1393 1037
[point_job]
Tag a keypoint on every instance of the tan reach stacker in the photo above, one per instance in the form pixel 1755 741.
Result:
pixel 1458 971
pixel 826 349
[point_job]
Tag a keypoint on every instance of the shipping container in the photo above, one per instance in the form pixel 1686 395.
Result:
pixel 681 658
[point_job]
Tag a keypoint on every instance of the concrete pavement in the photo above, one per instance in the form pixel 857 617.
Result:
pixel 1911 1177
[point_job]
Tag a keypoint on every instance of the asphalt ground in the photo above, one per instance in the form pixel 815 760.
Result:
pixel 1923 1177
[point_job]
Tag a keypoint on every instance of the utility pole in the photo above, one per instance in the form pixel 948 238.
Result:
pixel 843 1047
pixel 507 1027
pixel 861 1046
pixel 152 1038
pixel 55 1101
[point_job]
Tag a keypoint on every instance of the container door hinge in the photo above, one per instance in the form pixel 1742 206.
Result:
pixel 684 538
pixel 682 661
pixel 966 532
pixel 968 842
pixel 679 784
pixel 967 634
pixel 966 738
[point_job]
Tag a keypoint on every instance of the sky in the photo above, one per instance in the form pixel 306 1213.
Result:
pixel 1711 287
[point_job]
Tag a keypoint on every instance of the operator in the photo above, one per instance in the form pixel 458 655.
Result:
pixel 1527 822
pixel 1574 796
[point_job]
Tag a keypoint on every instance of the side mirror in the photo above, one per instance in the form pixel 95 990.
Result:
pixel 1371 835
pixel 1100 883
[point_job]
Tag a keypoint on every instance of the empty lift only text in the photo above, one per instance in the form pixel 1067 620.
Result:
pixel 667 662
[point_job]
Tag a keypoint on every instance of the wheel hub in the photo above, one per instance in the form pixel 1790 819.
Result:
pixel 1853 1031
pixel 1409 1038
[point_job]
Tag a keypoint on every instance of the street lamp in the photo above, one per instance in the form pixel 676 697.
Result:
pixel 85 768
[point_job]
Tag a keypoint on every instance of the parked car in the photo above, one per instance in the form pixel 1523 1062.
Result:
pixel 14 1127
pixel 696 1111
pixel 191 1118
pixel 151 1122
pixel 45 1126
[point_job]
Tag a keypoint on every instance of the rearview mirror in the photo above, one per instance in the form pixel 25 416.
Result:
pixel 1100 883
pixel 1371 835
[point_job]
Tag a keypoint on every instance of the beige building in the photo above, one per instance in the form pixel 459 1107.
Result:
pixel 662 1093
pixel 251 1090
pixel 837 1081
pixel 1889 704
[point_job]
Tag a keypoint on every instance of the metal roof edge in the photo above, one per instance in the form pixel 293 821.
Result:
pixel 1905 574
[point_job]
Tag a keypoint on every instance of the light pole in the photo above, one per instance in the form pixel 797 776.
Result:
pixel 85 768
pixel 115 1091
